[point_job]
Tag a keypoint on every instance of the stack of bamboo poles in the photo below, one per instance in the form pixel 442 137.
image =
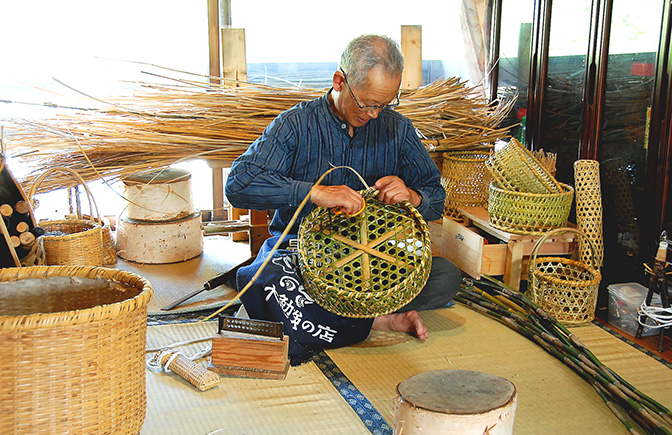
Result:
pixel 632 407
pixel 161 124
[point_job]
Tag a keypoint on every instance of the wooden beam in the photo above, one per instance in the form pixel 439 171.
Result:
pixel 234 60
pixel 213 40
pixel 411 47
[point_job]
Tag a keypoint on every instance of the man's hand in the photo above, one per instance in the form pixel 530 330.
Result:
pixel 349 201
pixel 392 190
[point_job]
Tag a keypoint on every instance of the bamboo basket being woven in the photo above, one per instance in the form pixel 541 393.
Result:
pixel 465 178
pixel 529 213
pixel 82 242
pixel 565 288
pixel 73 357
pixel 367 265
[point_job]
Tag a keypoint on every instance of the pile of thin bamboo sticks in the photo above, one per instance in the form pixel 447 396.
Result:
pixel 632 407
pixel 162 124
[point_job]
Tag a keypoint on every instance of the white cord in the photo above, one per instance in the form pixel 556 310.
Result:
pixel 662 316
pixel 154 364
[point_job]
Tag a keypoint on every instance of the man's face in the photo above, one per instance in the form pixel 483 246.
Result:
pixel 379 89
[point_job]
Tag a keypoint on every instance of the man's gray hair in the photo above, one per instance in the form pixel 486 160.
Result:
pixel 367 52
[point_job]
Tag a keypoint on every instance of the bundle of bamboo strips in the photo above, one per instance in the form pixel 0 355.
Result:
pixel 632 407
pixel 161 124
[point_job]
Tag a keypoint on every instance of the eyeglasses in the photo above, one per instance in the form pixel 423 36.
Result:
pixel 391 105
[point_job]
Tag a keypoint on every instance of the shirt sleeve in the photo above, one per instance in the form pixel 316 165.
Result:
pixel 258 178
pixel 421 174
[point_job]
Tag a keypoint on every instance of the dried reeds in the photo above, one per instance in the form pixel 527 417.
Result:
pixel 161 124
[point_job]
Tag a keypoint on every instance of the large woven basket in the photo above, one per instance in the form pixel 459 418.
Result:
pixel 565 288
pixel 529 213
pixel 73 359
pixel 516 168
pixel 81 242
pixel 368 265
pixel 466 179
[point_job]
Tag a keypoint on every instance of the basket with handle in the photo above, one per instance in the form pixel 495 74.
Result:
pixel 72 340
pixel 365 265
pixel 82 240
pixel 565 288
pixel 465 178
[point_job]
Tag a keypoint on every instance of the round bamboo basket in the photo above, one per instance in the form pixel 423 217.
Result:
pixel 367 265
pixel 528 213
pixel 71 364
pixel 566 289
pixel 82 243
pixel 466 179
pixel 516 168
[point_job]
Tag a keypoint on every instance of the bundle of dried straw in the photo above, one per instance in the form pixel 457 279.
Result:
pixel 160 124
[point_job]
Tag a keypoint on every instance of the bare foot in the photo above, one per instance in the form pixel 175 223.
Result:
pixel 410 321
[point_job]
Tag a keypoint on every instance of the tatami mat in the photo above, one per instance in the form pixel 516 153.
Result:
pixel 172 281
pixel 303 403
pixel 552 398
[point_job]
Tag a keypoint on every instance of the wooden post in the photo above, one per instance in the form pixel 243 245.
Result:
pixel 411 47
pixel 234 59
pixel 213 40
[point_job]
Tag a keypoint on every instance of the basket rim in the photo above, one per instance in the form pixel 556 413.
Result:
pixel 569 190
pixel 596 274
pixel 75 317
pixel 94 226
pixel 459 155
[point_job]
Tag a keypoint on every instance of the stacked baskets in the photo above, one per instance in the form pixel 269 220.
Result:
pixel 524 197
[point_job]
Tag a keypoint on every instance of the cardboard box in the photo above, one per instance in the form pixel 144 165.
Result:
pixel 624 300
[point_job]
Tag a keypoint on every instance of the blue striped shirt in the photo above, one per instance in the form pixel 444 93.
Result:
pixel 280 167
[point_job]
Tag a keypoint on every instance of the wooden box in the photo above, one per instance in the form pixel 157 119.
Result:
pixel 483 250
pixel 471 252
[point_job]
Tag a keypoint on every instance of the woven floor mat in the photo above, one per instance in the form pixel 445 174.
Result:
pixel 552 398
pixel 172 281
pixel 303 403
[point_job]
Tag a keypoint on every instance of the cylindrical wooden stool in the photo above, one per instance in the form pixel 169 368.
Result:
pixel 455 402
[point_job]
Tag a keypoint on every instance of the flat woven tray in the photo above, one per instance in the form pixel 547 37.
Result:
pixel 367 265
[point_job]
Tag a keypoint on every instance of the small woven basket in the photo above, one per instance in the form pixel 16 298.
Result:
pixel 529 213
pixel 73 357
pixel 82 242
pixel 368 265
pixel 516 168
pixel 466 179
pixel 566 289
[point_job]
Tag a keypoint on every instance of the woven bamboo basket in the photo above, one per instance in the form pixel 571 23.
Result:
pixel 73 357
pixel 529 213
pixel 565 288
pixel 466 179
pixel 516 168
pixel 82 243
pixel 368 265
